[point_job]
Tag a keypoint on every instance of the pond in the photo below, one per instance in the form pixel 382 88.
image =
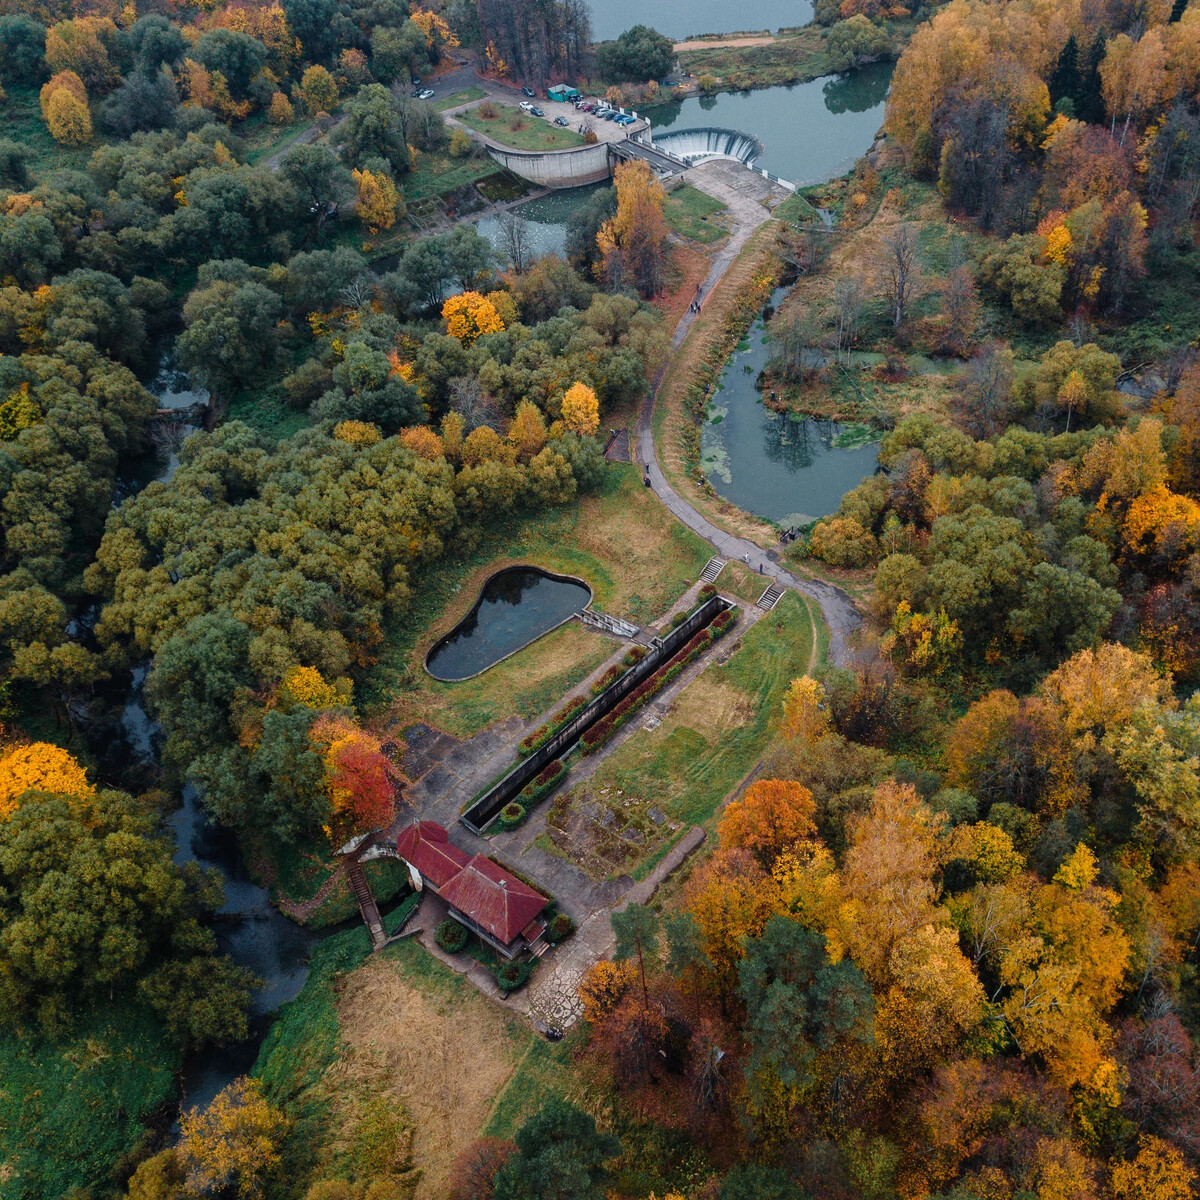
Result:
pixel 547 219
pixel 811 132
pixel 686 18
pixel 517 605
pixel 788 469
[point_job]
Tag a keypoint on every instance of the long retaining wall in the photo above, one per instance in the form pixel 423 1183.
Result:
pixel 487 807
pixel 554 168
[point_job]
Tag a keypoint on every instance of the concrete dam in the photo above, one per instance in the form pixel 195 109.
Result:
pixel 698 145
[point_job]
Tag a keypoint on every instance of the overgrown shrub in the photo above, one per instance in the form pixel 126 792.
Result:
pixel 559 929
pixel 634 655
pixel 608 678
pixel 544 783
pixel 451 936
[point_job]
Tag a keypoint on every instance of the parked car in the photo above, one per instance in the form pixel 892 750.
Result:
pixel 625 120
pixel 563 122
pixel 415 93
pixel 526 106
pixel 425 94
pixel 537 112
pixel 528 91
pixel 416 81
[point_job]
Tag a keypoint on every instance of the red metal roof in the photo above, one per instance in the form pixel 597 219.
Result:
pixel 426 846
pixel 495 900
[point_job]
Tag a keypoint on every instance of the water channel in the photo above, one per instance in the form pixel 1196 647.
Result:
pixel 516 606
pixel 788 469
pixel 686 18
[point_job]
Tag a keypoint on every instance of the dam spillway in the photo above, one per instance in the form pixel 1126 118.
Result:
pixel 698 145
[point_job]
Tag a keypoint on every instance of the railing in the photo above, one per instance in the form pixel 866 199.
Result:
pixel 487 807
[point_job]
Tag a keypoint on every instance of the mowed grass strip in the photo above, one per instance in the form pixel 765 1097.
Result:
pixel 512 127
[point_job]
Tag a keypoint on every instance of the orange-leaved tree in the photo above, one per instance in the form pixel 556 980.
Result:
pixel 358 775
pixel 773 815
pixel 41 767
pixel 378 200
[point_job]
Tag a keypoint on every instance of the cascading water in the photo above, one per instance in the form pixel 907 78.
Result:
pixel 699 145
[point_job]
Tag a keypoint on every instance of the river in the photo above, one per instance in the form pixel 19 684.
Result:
pixel 681 19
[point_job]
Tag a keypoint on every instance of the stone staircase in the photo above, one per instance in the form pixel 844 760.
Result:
pixel 712 569
pixel 770 597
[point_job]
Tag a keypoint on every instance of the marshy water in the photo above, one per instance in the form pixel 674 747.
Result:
pixel 785 468
pixel 516 606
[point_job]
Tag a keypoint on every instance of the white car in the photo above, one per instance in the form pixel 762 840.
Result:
pixel 526 106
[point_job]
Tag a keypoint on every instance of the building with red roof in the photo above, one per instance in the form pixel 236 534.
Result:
pixel 492 902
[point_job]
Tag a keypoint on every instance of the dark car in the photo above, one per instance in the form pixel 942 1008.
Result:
pixel 563 122
pixel 416 82
pixel 537 112
pixel 528 91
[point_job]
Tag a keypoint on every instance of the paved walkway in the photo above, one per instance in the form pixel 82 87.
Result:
pixel 836 608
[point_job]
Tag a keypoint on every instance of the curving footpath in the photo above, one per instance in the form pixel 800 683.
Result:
pixel 836 608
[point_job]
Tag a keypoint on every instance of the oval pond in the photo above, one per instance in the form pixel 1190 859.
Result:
pixel 517 605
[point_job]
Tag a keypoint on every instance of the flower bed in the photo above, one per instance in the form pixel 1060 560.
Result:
pixel 543 733
pixel 512 815
pixel 543 783
pixel 608 678
pixel 599 733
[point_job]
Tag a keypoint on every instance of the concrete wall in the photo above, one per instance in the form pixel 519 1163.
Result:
pixel 555 168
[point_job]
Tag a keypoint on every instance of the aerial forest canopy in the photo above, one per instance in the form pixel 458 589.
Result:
pixel 275 402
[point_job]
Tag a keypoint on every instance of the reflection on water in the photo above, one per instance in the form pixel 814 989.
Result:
pixel 786 468
pixel 515 606
pixel 686 18
pixel 546 221
pixel 811 132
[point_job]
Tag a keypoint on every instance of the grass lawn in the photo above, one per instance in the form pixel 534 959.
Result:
pixel 401 1030
pixel 636 557
pixel 782 60
pixel 457 98
pixel 435 173
pixel 264 139
pixel 690 213
pixel 512 127
pixel 796 211
pixel 711 739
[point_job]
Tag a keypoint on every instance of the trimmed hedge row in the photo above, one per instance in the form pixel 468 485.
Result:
pixel 599 733
pixel 542 783
pixel 543 733
pixel 512 815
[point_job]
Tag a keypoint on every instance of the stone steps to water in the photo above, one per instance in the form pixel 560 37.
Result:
pixel 770 597
pixel 712 569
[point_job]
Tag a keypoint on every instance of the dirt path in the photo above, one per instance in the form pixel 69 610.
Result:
pixel 713 44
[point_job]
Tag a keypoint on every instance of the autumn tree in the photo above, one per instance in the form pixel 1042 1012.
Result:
pixel 769 817
pixel 469 315
pixel 633 243
pixel 378 200
pixel 40 767
pixel 1157 1172
pixel 318 90
pixel 358 774
pixel 68 119
pixel 527 433
pixel 473 1175
pixel 581 409
pixel 232 1146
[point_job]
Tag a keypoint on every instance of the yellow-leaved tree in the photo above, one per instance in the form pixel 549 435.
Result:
pixel 319 90
pixel 633 244
pixel 41 767
pixel 581 410
pixel 470 315
pixel 231 1147
pixel 378 200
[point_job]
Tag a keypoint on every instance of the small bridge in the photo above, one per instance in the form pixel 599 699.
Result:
pixel 666 165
